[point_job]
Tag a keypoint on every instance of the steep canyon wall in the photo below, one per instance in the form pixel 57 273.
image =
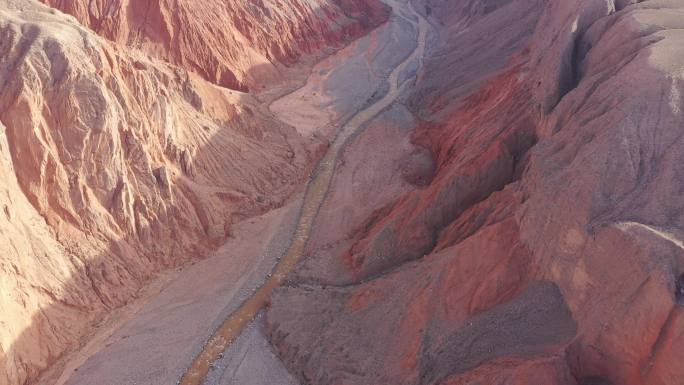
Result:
pixel 547 246
pixel 116 164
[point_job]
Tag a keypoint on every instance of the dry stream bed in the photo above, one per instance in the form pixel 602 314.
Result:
pixel 159 336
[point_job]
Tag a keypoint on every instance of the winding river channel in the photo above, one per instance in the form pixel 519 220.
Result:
pixel 316 192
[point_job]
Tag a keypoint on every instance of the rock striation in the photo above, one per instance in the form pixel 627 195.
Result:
pixel 116 164
pixel 547 246
pixel 535 235
pixel 235 44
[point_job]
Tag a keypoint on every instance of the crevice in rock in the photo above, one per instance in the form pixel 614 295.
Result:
pixel 622 4
pixel 514 154
pixel 679 290
pixel 518 146
pixel 570 76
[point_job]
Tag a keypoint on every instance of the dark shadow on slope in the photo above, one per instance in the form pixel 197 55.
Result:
pixel 189 227
pixel 527 326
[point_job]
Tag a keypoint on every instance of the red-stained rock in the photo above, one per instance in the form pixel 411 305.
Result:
pixel 557 186
pixel 473 303
pixel 539 242
pixel 115 165
pixel 235 44
pixel 474 163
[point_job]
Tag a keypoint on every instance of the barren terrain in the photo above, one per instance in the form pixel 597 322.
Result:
pixel 341 192
pixel 137 349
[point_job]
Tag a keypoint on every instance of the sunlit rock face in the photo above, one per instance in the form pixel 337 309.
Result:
pixel 116 164
pixel 534 237
pixel 547 247
pixel 236 44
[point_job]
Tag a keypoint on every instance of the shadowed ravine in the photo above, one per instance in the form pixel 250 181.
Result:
pixel 317 189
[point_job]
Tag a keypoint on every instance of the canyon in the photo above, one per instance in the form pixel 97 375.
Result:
pixel 341 192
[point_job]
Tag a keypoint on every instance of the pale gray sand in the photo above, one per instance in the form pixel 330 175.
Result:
pixel 250 360
pixel 345 83
pixel 161 339
pixel 216 350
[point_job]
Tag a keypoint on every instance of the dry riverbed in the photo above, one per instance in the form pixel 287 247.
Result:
pixel 158 337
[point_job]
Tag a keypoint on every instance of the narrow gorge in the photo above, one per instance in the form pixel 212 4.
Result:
pixel 341 192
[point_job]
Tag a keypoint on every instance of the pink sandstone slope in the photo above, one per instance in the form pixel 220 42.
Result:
pixel 236 44
pixel 115 165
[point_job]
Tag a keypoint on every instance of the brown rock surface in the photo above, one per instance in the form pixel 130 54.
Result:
pixel 236 44
pixel 547 247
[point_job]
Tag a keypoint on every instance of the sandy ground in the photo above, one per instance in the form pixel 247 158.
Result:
pixel 215 354
pixel 250 360
pixel 156 345
pixel 155 340
pixel 361 173
pixel 342 84
pixel 60 372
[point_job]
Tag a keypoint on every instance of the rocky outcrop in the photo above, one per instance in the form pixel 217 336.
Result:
pixel 116 165
pixel 235 44
pixel 547 247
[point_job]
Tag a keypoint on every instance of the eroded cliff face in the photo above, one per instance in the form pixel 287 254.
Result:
pixel 546 247
pixel 116 165
pixel 236 44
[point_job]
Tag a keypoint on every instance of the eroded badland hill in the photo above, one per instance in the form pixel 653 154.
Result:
pixel 401 192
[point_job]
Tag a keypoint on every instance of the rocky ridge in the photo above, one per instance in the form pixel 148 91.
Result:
pixel 117 165
pixel 235 44
pixel 546 247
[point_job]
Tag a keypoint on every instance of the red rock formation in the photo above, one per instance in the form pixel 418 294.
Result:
pixel 115 165
pixel 235 44
pixel 547 248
